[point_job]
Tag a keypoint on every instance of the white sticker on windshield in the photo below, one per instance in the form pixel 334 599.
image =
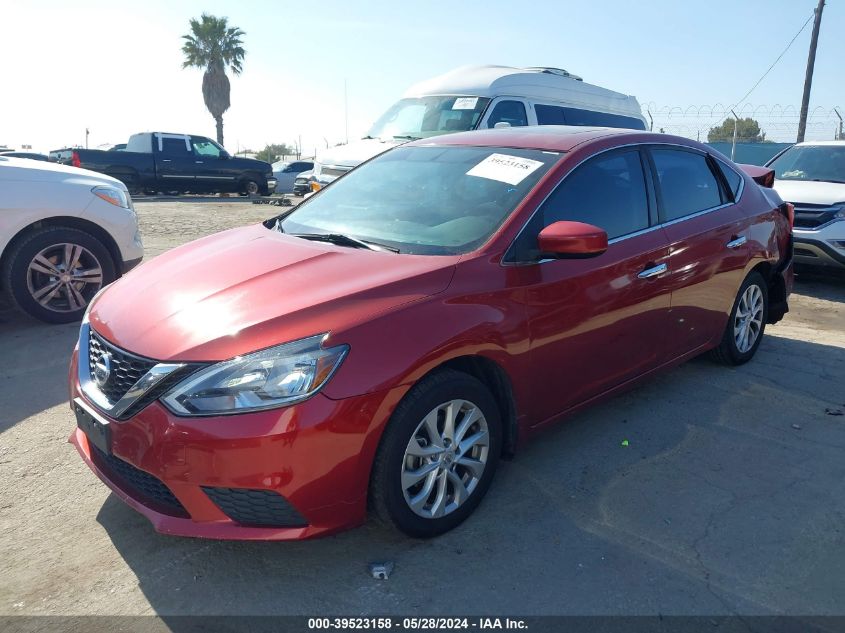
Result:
pixel 504 168
pixel 465 103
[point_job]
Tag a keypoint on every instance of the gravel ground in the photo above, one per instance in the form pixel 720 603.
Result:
pixel 729 498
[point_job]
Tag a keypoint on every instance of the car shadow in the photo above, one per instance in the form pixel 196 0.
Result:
pixel 35 363
pixel 708 490
pixel 828 284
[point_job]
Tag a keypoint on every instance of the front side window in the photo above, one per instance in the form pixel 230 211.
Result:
pixel 608 191
pixel 206 147
pixel 824 163
pixel 686 182
pixel 510 112
pixel 421 117
pixel 432 200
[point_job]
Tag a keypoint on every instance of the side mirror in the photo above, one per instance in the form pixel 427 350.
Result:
pixel 225 155
pixel 572 239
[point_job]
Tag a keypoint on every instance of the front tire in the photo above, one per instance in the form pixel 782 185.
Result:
pixel 746 324
pixel 53 274
pixel 250 187
pixel 438 455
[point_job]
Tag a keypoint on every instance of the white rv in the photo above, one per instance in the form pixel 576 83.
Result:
pixel 474 97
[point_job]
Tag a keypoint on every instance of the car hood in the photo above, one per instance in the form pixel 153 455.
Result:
pixel 25 170
pixel 250 288
pixel 810 192
pixel 354 154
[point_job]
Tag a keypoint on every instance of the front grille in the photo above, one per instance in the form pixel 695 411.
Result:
pixel 126 369
pixel 813 216
pixel 138 484
pixel 256 508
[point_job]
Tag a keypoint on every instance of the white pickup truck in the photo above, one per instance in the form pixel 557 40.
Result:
pixel 64 234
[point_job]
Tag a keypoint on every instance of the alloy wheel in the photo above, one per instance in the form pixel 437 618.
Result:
pixel 748 321
pixel 445 459
pixel 64 277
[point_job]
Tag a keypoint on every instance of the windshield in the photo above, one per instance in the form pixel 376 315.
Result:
pixel 421 117
pixel 811 162
pixel 424 200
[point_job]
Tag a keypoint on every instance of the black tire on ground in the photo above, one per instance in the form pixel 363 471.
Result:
pixel 251 187
pixel 728 352
pixel 386 493
pixel 16 271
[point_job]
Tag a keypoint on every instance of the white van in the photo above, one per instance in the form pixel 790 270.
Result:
pixel 477 97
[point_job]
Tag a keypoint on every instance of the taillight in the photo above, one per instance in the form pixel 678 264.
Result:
pixel 74 159
pixel 789 211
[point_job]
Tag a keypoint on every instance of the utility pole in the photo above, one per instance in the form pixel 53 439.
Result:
pixel 346 111
pixel 808 78
pixel 736 125
pixel 839 135
pixel 86 138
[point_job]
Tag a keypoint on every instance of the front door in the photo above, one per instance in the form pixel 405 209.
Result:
pixel 213 166
pixel 596 323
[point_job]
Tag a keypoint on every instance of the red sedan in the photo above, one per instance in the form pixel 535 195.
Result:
pixel 386 341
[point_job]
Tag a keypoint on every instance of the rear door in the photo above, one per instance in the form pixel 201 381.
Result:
pixel 174 160
pixel 708 241
pixel 596 323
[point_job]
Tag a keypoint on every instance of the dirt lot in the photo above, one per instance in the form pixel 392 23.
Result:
pixel 729 498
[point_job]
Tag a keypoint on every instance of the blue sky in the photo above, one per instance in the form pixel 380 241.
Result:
pixel 115 66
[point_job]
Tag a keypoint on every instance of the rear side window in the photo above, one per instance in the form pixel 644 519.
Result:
pixel 512 112
pixel 687 184
pixel 576 116
pixel 733 179
pixel 174 146
pixel 608 191
pixel 140 143
pixel 549 115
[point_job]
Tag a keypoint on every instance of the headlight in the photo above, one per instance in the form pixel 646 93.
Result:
pixel 113 195
pixel 271 378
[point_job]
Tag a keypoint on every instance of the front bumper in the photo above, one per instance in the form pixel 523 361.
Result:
pixel 315 455
pixel 271 185
pixel 816 252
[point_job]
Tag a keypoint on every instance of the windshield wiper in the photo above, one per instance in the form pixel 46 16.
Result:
pixel 345 240
pixel 407 137
pixel 838 182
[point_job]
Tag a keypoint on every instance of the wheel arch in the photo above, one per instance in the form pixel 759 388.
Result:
pixel 776 286
pixel 70 222
pixel 493 376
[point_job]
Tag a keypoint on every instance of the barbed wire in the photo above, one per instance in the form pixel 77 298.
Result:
pixel 778 121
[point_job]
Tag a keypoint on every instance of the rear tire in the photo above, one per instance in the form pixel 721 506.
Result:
pixel 437 456
pixel 52 274
pixel 746 324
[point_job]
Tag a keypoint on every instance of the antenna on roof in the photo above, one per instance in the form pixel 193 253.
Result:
pixel 560 72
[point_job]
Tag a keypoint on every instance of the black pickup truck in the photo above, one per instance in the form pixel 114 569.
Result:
pixel 160 161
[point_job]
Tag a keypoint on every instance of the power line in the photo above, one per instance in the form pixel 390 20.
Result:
pixel 745 96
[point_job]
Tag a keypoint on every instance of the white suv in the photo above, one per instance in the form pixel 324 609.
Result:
pixel 811 176
pixel 64 234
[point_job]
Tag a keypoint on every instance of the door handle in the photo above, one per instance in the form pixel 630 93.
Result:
pixel 654 271
pixel 198 162
pixel 737 242
pixel 165 160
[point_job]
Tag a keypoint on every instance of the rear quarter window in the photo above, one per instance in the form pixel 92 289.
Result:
pixel 733 179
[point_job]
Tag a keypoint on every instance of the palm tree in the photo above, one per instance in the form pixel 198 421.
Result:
pixel 214 45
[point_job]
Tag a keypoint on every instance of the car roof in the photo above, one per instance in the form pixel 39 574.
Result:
pixel 557 138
